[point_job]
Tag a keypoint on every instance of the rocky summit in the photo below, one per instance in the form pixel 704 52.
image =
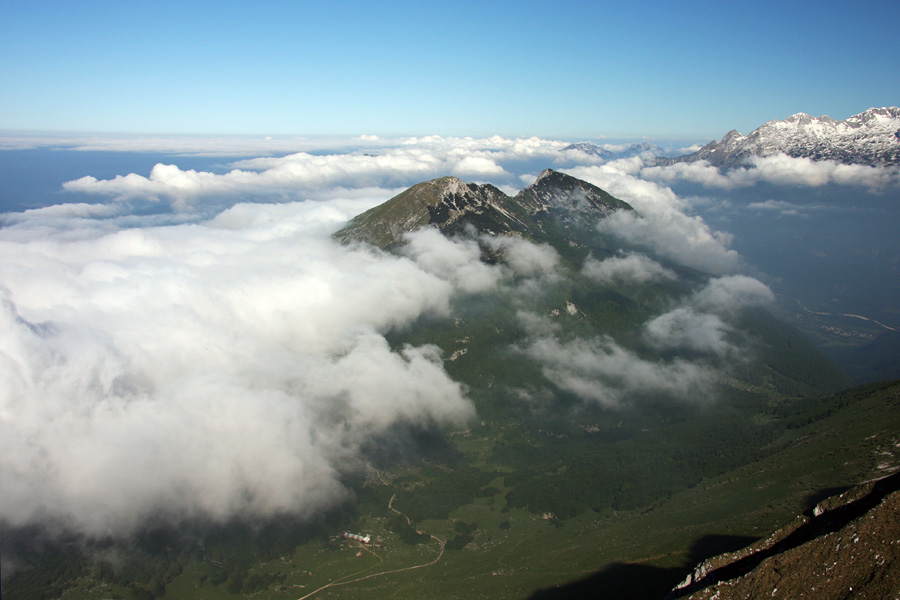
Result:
pixel 554 202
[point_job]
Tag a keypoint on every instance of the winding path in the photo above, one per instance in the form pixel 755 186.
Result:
pixel 391 572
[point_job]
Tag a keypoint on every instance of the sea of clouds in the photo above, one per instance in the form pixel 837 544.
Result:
pixel 194 344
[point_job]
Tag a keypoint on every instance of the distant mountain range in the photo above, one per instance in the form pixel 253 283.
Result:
pixel 553 204
pixel 626 152
pixel 869 138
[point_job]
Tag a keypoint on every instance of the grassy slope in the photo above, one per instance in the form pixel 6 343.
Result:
pixel 512 553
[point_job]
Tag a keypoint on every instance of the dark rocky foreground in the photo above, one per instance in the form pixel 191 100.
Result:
pixel 847 547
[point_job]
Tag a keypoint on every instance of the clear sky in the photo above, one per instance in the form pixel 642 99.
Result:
pixel 564 69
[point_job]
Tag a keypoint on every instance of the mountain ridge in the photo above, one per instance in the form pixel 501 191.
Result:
pixel 554 199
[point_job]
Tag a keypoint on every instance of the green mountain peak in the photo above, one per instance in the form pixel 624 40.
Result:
pixel 554 201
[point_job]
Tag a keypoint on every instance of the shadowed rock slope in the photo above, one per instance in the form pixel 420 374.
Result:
pixel 848 546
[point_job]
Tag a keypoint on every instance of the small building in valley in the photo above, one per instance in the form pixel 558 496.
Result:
pixel 359 538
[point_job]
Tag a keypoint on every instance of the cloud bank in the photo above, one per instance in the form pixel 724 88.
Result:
pixel 779 169
pixel 704 322
pixel 600 370
pixel 228 358
pixel 698 339
pixel 662 224
pixel 234 366
pixel 372 164
pixel 625 269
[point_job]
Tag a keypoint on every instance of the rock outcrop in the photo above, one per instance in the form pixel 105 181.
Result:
pixel 846 547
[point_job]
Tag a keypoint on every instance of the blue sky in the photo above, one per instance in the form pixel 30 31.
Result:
pixel 562 69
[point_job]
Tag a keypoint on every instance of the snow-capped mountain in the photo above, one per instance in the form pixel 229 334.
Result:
pixel 869 138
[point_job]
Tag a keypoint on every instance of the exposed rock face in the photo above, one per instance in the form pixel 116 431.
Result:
pixel 869 138
pixel 847 547
pixel 554 200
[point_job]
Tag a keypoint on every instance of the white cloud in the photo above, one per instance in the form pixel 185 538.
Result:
pixel 457 260
pixel 599 370
pixel 617 178
pixel 477 166
pixel 779 169
pixel 363 162
pixel 64 211
pixel 523 268
pixel 523 257
pixel 704 322
pixel 783 169
pixel 727 295
pixel 197 145
pixel 221 368
pixel 779 205
pixel 696 172
pixel 683 239
pixel 615 147
pixel 296 176
pixel 229 358
pixel 188 189
pixel 686 328
pixel 784 208
pixel 688 149
pixel 662 225
pixel 628 268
